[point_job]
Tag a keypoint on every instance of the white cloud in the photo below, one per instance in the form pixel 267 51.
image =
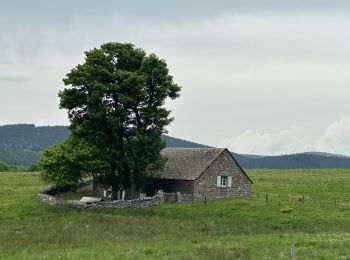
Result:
pixel 336 139
pixel 253 142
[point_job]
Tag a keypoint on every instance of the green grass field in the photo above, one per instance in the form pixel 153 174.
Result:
pixel 244 228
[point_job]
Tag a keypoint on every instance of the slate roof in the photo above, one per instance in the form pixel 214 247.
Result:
pixel 188 163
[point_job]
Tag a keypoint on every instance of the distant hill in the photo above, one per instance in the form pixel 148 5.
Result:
pixel 23 144
pixel 179 143
pixel 294 161
pixel 327 154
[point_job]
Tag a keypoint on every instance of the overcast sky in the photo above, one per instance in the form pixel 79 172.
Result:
pixel 261 77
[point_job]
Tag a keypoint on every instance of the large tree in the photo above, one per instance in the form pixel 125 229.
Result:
pixel 115 102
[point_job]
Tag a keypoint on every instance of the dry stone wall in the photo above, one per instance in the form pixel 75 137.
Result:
pixel 47 196
pixel 49 199
pixel 136 203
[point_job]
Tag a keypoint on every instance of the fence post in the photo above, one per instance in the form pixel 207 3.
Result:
pixel 205 200
pixel 267 199
pixel 292 252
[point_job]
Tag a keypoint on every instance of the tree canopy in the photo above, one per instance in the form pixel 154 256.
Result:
pixel 115 102
pixel 67 162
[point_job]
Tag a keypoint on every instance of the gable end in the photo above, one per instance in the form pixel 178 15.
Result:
pixel 235 161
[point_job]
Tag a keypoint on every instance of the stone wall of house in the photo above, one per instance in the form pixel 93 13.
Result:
pixel 177 197
pixel 170 197
pixel 185 198
pixel 206 185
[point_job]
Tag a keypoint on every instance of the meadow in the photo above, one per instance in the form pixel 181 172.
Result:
pixel 245 228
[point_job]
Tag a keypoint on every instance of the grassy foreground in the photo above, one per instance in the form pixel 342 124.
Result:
pixel 245 228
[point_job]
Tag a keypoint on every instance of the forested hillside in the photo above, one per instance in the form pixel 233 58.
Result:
pixel 179 143
pixel 294 161
pixel 23 144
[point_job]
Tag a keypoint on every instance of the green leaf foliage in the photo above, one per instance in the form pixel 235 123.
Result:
pixel 115 102
pixel 68 162
pixel 4 167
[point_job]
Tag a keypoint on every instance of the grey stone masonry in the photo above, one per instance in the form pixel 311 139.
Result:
pixel 205 186
pixel 160 198
pixel 202 174
pixel 136 203
pixel 177 197
pixel 49 199
pixel 46 197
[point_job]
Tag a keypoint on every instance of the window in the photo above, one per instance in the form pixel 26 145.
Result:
pixel 224 181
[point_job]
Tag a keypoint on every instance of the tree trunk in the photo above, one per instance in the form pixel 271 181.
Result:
pixel 73 188
pixel 132 192
pixel 114 195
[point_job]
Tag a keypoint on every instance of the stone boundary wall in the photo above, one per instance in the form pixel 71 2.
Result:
pixel 47 196
pixel 136 203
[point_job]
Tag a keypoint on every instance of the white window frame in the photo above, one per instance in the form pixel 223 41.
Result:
pixel 224 181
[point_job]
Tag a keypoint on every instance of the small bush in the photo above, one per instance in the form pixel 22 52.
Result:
pixel 4 167
pixel 301 199
pixel 286 210
pixel 148 251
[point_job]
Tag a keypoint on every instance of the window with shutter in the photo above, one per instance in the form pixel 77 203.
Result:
pixel 222 181
pixel 229 184
pixel 218 181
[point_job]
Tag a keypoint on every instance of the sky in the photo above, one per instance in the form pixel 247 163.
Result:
pixel 257 76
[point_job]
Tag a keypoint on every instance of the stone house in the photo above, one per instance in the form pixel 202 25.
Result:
pixel 194 174
pixel 202 173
